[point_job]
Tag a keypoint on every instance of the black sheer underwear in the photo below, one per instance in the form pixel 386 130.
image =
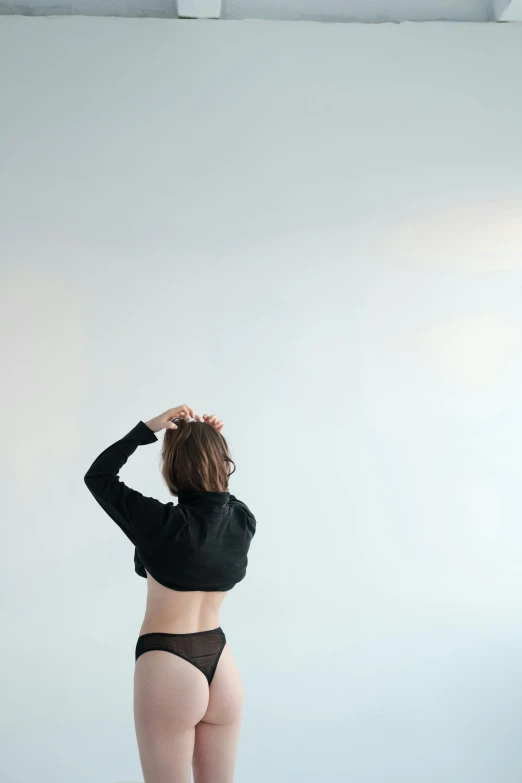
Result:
pixel 201 648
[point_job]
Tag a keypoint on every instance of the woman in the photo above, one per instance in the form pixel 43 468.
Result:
pixel 188 695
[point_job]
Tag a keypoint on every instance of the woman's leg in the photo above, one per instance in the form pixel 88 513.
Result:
pixel 217 733
pixel 170 698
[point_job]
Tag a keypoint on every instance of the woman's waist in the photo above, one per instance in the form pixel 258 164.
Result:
pixel 181 623
pixel 181 612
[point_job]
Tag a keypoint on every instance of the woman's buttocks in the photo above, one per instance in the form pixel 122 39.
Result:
pixel 180 611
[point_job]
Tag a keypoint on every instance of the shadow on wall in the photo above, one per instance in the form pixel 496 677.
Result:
pixel 354 11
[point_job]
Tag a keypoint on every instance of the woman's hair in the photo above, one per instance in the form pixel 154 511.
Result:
pixel 195 457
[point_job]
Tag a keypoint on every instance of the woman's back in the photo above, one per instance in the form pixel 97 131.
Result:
pixel 200 544
pixel 175 611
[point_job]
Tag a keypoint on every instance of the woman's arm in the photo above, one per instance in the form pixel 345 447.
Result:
pixel 141 518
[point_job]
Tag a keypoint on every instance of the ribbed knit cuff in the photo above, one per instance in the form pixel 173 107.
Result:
pixel 145 432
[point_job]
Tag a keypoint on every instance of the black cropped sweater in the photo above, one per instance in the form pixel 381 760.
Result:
pixel 199 544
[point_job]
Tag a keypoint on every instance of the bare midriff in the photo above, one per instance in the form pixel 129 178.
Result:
pixel 180 611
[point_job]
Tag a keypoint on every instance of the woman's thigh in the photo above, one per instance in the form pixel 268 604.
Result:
pixel 170 697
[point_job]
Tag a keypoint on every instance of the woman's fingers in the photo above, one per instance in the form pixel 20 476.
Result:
pixel 213 420
pixel 185 412
pixel 180 411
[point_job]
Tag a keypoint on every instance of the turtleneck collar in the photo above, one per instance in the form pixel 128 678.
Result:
pixel 203 497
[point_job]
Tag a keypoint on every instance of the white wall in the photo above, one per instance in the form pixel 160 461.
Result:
pixel 512 12
pixel 315 232
pixel 499 6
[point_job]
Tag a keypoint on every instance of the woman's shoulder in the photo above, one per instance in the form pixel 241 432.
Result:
pixel 236 502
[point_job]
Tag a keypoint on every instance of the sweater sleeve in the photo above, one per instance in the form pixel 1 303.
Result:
pixel 141 518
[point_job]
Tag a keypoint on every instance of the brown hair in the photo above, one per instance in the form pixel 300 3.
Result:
pixel 195 457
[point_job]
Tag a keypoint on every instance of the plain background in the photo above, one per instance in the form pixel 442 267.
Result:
pixel 313 231
pixel 322 11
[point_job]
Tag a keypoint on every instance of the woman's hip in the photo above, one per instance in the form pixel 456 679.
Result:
pixel 202 649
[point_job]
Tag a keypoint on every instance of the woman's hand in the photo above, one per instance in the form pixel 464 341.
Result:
pixel 164 420
pixel 213 420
